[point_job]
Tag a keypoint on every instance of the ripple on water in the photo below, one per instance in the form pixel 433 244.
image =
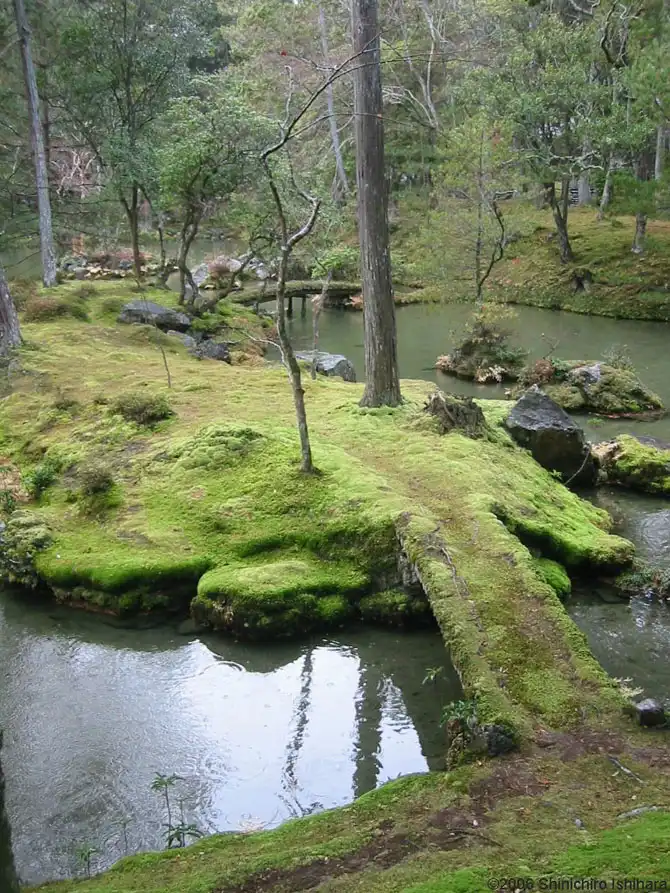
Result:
pixel 257 734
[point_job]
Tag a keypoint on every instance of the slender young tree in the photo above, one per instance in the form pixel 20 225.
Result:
pixel 10 333
pixel 37 138
pixel 382 386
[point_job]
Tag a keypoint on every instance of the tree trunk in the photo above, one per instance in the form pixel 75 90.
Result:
pixel 47 250
pixel 330 101
pixel 10 333
pixel 606 197
pixel 382 387
pixel 292 365
pixel 188 233
pixel 640 233
pixel 134 223
pixel 560 219
pixel 660 152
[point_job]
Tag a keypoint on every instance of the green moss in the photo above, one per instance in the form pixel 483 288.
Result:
pixel 24 536
pixel 554 575
pixel 635 465
pixel 278 598
pixel 393 607
pixel 567 396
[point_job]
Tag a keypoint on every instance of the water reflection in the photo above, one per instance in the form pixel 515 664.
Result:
pixel 258 734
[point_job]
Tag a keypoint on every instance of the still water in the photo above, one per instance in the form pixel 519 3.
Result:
pixel 257 733
pixel 631 639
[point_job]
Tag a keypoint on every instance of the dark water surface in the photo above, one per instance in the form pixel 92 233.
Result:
pixel 258 733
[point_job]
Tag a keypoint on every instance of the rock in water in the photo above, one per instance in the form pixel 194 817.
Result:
pixel 555 441
pixel 330 364
pixel 650 713
pixel 152 314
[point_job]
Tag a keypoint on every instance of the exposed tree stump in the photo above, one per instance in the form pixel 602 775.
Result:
pixel 457 413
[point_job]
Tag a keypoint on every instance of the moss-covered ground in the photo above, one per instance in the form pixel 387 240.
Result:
pixel 605 279
pixel 209 503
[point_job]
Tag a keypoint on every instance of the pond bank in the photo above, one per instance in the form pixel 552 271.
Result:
pixel 212 490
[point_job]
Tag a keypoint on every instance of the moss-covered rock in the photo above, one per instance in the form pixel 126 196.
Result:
pixel 596 387
pixel 394 607
pixel 21 539
pixel 633 463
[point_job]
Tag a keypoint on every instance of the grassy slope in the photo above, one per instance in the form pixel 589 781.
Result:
pixel 511 640
pixel 624 285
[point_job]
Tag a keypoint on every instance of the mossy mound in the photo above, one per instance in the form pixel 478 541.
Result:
pixel 634 464
pixel 24 535
pixel 595 387
pixel 554 575
pixel 278 598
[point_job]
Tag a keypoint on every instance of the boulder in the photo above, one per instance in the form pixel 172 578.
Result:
pixel 329 364
pixel 211 350
pixel 650 713
pixel 200 275
pixel 187 340
pixel 539 424
pixel 149 313
pixel 638 463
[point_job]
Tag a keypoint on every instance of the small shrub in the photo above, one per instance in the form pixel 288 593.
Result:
pixel 86 291
pixel 41 477
pixel 66 403
pixel 44 307
pixel 143 409
pixel 112 306
pixel 617 356
pixel 95 479
pixel 342 263
pixel 7 501
pixel 22 290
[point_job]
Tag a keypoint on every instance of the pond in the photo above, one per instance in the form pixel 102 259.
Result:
pixel 425 331
pixel 257 733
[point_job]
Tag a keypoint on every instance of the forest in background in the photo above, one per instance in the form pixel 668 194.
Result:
pixel 154 116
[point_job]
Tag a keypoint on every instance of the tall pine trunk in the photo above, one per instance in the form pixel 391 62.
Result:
pixel 10 332
pixel 332 120
pixel 659 160
pixel 382 387
pixel 47 250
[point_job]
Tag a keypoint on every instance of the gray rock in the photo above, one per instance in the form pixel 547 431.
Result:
pixel 330 364
pixel 555 441
pixel 211 350
pixel 79 272
pixel 187 340
pixel 586 375
pixel 152 314
pixel 650 713
pixel 200 275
